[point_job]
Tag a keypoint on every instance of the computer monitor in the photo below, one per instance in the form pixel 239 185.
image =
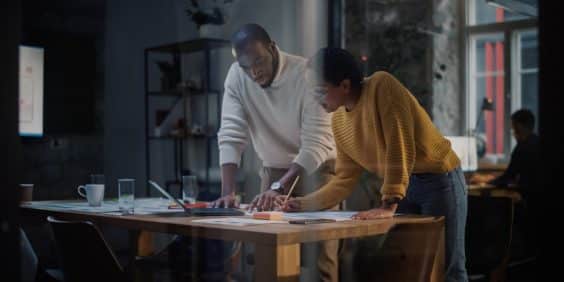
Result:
pixel 31 91
pixel 465 149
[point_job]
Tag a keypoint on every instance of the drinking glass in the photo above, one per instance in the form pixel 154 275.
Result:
pixel 189 188
pixel 126 195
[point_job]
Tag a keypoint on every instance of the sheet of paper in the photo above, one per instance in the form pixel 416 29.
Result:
pixel 77 206
pixel 236 221
pixel 336 215
pixel 142 206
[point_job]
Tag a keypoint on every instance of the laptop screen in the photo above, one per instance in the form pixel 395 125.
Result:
pixel 166 194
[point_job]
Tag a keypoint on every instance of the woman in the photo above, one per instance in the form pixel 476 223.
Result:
pixel 380 127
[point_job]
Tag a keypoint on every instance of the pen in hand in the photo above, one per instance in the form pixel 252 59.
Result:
pixel 291 189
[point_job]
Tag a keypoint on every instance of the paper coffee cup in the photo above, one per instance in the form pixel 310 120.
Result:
pixel 27 192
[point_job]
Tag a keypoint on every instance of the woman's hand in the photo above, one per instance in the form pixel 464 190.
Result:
pixel 377 213
pixel 292 205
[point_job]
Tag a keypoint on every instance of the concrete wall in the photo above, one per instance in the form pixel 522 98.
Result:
pixel 417 41
pixel 392 36
pixel 447 95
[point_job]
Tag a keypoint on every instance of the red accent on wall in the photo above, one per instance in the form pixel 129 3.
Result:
pixel 499 101
pixel 488 116
pixel 499 16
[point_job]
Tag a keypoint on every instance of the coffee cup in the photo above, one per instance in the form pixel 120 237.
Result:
pixel 94 193
pixel 27 192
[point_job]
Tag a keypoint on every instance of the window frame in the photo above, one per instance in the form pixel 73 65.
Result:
pixel 510 31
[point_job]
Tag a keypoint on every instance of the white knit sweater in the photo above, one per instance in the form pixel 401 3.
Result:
pixel 283 121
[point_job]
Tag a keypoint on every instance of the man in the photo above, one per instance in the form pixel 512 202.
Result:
pixel 522 168
pixel 266 100
pixel 380 127
pixel 523 171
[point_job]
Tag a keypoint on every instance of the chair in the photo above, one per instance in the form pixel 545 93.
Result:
pixel 85 256
pixel 488 236
pixel 28 259
pixel 408 253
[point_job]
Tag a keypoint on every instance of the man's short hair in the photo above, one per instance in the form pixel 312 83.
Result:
pixel 333 65
pixel 525 118
pixel 249 33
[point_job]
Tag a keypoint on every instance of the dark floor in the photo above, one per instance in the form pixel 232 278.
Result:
pixel 523 272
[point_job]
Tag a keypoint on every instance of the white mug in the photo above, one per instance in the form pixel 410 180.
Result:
pixel 94 193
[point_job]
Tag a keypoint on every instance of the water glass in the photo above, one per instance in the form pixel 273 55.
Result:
pixel 189 188
pixel 126 195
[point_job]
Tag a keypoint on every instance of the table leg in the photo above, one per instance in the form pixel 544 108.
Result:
pixel 277 263
pixel 141 244
pixel 145 244
pixel 438 272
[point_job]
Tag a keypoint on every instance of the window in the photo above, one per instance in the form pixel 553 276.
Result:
pixel 526 72
pixel 480 12
pixel 502 66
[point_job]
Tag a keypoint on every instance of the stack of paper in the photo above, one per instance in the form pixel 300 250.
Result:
pixel 335 215
pixel 234 221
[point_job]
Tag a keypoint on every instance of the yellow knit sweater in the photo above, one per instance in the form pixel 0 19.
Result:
pixel 387 133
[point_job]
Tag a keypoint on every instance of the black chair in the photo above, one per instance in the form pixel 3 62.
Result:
pixel 488 236
pixel 85 256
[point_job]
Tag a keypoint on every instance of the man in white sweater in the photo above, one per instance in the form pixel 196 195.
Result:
pixel 266 101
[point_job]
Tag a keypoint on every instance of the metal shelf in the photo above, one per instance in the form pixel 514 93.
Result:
pixel 203 46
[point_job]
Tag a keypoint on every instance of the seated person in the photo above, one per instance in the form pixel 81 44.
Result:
pixel 522 168
pixel 522 171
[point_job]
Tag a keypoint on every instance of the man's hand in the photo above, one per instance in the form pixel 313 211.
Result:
pixel 382 212
pixel 292 205
pixel 264 201
pixel 227 201
pixel 228 187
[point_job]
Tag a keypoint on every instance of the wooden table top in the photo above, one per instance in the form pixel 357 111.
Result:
pixel 484 166
pixel 480 186
pixel 486 186
pixel 484 189
pixel 273 234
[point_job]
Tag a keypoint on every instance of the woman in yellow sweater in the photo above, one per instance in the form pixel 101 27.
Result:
pixel 380 127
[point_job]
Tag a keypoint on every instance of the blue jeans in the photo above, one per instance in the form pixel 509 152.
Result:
pixel 442 195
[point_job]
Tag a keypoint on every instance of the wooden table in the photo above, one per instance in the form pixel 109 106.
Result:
pixel 489 190
pixel 277 246
pixel 489 167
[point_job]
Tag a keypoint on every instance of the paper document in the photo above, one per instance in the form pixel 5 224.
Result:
pixel 142 206
pixel 236 221
pixel 336 215
pixel 77 206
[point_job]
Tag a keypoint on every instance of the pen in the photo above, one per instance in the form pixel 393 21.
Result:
pixel 291 189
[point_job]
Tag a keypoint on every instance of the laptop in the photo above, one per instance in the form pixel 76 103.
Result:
pixel 198 211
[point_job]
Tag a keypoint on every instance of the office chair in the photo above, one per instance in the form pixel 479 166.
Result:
pixel 85 255
pixel 488 236
pixel 408 253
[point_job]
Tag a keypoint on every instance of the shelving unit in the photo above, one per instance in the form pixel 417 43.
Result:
pixel 174 91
